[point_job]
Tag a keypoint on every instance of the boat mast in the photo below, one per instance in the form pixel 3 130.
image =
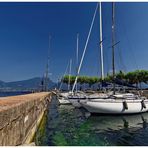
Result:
pixel 69 74
pixel 113 45
pixel 83 54
pixel 101 45
pixel 64 75
pixel 47 68
pixel 77 52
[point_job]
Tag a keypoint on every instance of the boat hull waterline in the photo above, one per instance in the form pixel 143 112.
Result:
pixel 113 106
pixel 75 100
pixel 64 101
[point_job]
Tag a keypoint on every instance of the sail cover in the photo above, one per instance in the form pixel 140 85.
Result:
pixel 122 82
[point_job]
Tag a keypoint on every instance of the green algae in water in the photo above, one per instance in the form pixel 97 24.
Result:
pixel 83 136
pixel 41 134
pixel 59 139
pixel 70 129
pixel 67 126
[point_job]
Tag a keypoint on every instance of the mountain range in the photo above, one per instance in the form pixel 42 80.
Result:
pixel 35 84
pixel 29 84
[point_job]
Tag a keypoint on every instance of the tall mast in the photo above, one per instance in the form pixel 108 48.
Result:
pixel 47 67
pixel 77 54
pixel 69 74
pixel 101 45
pixel 64 75
pixel 113 45
pixel 83 54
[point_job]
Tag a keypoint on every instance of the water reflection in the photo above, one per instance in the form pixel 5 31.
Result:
pixel 118 122
pixel 66 125
pixel 121 130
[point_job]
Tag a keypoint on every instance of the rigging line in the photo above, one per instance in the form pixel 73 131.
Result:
pixel 117 61
pixel 49 52
pixel 47 66
pixel 69 81
pixel 79 68
pixel 64 75
pixel 113 43
pixel 130 45
pixel 49 45
pixel 106 59
pixel 77 52
pixel 121 60
pixel 105 23
pixel 77 57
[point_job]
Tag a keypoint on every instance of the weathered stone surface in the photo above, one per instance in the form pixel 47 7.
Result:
pixel 18 114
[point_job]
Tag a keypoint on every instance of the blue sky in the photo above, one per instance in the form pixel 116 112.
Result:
pixel 25 29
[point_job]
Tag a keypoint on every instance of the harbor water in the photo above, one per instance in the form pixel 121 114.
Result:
pixel 13 93
pixel 64 125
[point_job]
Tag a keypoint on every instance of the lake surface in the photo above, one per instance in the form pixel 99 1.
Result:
pixel 6 94
pixel 65 125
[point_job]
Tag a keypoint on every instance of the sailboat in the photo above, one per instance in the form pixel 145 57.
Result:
pixel 122 103
pixel 63 96
pixel 66 98
pixel 76 97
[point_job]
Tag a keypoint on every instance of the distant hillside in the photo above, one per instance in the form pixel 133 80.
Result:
pixel 34 83
pixel 2 84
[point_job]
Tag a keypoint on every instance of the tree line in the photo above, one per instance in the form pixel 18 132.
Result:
pixel 134 77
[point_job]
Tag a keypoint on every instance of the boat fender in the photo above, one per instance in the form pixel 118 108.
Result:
pixel 143 104
pixel 125 105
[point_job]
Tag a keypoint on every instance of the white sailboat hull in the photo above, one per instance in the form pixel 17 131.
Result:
pixel 75 99
pixel 75 103
pixel 63 98
pixel 113 106
pixel 64 101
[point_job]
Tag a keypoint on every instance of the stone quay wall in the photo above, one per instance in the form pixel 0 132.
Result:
pixel 20 116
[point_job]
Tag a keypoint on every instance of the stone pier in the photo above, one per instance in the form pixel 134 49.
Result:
pixel 20 117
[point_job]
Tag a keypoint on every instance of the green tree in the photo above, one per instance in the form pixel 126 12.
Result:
pixel 120 75
pixel 133 77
